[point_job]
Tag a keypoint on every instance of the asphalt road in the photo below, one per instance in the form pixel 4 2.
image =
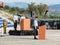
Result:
pixel 52 38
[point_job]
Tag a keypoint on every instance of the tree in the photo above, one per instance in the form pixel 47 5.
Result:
pixel 17 9
pixel 31 7
pixel 40 10
pixel 6 7
pixel 12 9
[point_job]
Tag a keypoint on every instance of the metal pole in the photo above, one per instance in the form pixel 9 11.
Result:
pixel 31 13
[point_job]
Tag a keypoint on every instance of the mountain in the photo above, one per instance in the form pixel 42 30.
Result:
pixel 17 4
pixel 55 7
pixel 25 5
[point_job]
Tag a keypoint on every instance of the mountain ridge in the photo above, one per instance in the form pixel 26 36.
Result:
pixel 25 5
pixel 55 6
pixel 17 4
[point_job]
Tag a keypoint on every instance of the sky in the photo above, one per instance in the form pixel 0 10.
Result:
pixel 48 2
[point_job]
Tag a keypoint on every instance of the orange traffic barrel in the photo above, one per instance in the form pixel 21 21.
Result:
pixel 42 32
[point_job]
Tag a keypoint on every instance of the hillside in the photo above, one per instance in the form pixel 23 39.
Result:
pixel 25 5
pixel 56 6
pixel 17 4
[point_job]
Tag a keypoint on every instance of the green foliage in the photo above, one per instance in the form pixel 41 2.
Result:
pixel 6 7
pixel 12 9
pixel 31 6
pixel 38 9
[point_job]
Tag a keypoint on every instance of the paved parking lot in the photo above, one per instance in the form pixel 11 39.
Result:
pixel 52 38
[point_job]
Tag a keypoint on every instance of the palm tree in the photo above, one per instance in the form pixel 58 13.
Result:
pixel 38 9
pixel 42 9
pixel 31 8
